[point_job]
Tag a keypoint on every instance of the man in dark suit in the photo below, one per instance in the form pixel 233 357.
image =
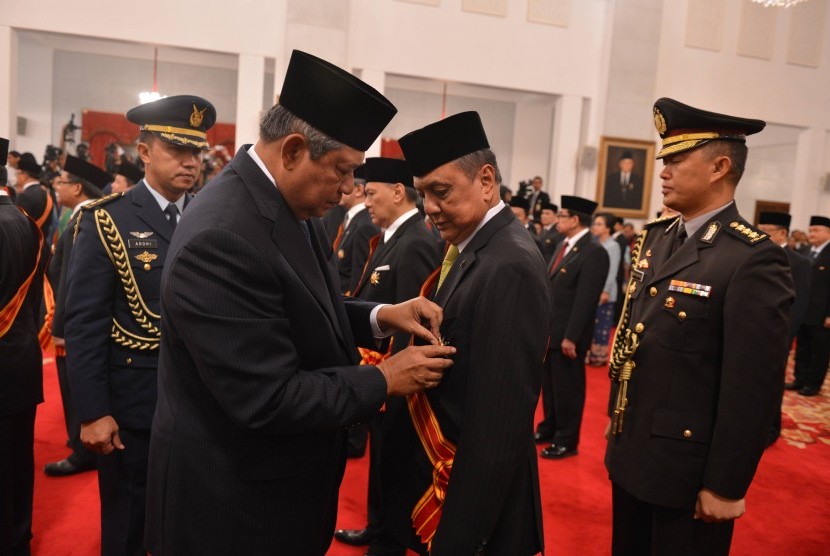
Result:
pixel 351 242
pixel 577 276
pixel 21 388
pixel 400 260
pixel 697 363
pixel 777 226
pixel 536 200
pixel 257 370
pixel 112 308
pixel 79 184
pixel 31 196
pixel 625 264
pixel 813 349
pixel 473 439
pixel 623 188
pixel 550 235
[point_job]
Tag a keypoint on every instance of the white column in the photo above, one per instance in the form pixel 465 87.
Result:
pixel 8 84
pixel 809 176
pixel 564 153
pixel 376 79
pixel 250 82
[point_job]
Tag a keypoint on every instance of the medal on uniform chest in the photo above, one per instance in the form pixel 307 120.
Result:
pixel 146 257
pixel 375 278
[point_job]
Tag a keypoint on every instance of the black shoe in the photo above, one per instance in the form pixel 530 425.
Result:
pixel 557 451
pixel 66 467
pixel 354 537
pixel 808 391
pixel 542 438
pixel 793 385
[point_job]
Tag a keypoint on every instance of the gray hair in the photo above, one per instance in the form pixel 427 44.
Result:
pixel 471 163
pixel 278 122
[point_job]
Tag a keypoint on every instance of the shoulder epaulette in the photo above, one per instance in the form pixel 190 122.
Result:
pixel 93 205
pixel 662 220
pixel 745 231
pixel 102 201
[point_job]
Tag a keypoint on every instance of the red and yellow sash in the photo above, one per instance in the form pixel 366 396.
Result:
pixel 44 336
pixel 427 512
pixel 47 211
pixel 9 312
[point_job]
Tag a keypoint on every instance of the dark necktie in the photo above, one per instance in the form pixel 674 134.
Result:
pixel 679 238
pixel 814 254
pixel 172 211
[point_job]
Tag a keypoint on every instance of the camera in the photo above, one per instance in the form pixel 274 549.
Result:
pixel 525 188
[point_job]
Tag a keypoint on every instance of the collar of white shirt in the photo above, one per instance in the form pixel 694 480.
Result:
pixel 162 202
pixel 390 231
pixel 487 217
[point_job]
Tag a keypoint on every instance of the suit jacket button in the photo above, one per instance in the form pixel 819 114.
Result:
pixel 687 433
pixel 129 360
pixel 653 291
pixel 681 315
pixel 639 327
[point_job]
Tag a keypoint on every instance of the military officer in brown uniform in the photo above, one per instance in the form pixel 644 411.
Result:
pixel 698 358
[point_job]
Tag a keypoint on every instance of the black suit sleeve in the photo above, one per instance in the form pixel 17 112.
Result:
pixel 218 283
pixel 588 290
pixel 58 270
pixel 421 259
pixel 502 392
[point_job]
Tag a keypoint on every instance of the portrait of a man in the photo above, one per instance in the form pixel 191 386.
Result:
pixel 624 176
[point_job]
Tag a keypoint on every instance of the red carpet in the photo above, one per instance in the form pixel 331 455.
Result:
pixel 786 505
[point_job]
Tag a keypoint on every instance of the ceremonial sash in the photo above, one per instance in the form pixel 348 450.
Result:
pixel 9 312
pixel 427 512
pixel 47 211
pixel 44 336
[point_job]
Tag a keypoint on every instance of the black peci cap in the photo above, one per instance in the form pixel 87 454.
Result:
pixel 130 171
pixel 29 164
pixel 819 221
pixel 87 171
pixel 684 127
pixel 4 150
pixel 180 120
pixel 520 202
pixel 334 101
pixel 626 155
pixel 775 219
pixel 388 170
pixel 572 203
pixel 443 141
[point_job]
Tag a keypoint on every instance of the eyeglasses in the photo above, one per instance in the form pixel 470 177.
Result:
pixel 563 215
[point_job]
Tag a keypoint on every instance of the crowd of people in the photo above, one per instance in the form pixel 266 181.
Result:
pixel 221 350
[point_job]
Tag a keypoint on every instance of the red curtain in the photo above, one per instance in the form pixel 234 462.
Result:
pixel 389 148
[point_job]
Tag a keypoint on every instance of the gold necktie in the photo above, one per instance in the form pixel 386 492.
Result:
pixel 449 259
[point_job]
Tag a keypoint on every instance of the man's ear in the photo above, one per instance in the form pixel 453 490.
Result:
pixel 292 150
pixel 487 176
pixel 143 150
pixel 721 166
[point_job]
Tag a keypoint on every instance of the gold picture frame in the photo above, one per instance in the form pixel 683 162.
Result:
pixel 624 176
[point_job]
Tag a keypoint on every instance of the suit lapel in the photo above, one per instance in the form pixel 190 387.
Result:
pixel 573 253
pixel 287 233
pixel 150 213
pixel 467 258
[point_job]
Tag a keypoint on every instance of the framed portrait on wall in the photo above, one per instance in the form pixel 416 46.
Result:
pixel 624 176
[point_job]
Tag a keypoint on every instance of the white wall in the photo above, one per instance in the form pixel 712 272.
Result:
pixel 34 98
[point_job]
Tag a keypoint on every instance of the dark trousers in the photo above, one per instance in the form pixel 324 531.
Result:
pixel 547 426
pixel 375 498
pixel 642 529
pixel 17 478
pixel 122 481
pixel 568 382
pixel 812 355
pixel 79 455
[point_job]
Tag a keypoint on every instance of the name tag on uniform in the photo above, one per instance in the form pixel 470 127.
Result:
pixel 638 274
pixel 142 243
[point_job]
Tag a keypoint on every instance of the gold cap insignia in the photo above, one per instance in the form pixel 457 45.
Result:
pixel 146 257
pixel 375 278
pixel 659 121
pixel 197 116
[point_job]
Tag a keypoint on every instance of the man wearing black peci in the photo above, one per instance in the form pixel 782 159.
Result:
pixel 258 374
